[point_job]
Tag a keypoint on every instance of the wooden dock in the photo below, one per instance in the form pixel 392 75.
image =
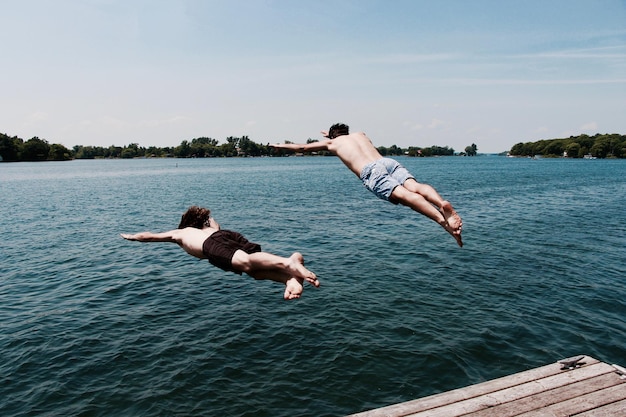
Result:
pixel 584 388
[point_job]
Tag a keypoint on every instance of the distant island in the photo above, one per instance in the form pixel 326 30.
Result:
pixel 15 149
pixel 582 146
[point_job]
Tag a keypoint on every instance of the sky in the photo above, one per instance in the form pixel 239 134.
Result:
pixel 406 72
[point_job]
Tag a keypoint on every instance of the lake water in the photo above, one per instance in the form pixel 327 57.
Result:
pixel 95 325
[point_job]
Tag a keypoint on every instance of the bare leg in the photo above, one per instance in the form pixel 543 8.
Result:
pixel 425 190
pixel 431 205
pixel 432 196
pixel 289 271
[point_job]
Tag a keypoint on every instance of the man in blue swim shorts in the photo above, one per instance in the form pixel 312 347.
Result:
pixel 382 176
pixel 200 236
pixel 385 177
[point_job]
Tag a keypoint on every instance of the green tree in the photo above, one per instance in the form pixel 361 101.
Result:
pixel 249 147
pixel 204 141
pixel 202 147
pixel 10 148
pixel 230 147
pixel 552 148
pixel 84 152
pixel 573 150
pixel 414 151
pixel 520 149
pixel 59 153
pixel 113 152
pixel 471 150
pixel 153 151
pixel 35 149
pixel 585 141
pixel 183 150
pixel 607 146
pixel 133 150
pixel 128 153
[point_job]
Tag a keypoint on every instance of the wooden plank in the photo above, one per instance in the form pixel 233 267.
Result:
pixel 584 403
pixel 616 409
pixel 461 394
pixel 547 398
pixel 519 391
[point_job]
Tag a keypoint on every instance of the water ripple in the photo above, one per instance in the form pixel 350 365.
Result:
pixel 95 325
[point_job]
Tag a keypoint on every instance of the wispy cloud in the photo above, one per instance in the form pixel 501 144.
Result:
pixel 504 81
pixel 398 59
pixel 604 52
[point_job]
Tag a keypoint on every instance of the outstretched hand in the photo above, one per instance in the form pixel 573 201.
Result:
pixel 128 236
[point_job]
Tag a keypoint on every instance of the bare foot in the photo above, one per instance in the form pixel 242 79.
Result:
pixel 453 223
pixel 293 288
pixel 455 235
pixel 451 217
pixel 296 266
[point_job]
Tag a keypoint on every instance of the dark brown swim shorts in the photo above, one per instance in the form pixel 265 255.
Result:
pixel 220 247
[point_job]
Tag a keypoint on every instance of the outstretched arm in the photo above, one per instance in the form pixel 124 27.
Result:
pixel 189 238
pixel 303 147
pixel 152 237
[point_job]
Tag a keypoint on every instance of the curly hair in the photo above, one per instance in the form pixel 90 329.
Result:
pixel 195 216
pixel 338 129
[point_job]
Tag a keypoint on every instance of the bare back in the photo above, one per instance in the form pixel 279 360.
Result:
pixel 192 239
pixel 355 151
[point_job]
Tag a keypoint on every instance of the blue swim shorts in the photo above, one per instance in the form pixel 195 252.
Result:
pixel 382 176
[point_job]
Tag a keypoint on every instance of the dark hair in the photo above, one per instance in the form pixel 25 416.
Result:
pixel 195 216
pixel 338 129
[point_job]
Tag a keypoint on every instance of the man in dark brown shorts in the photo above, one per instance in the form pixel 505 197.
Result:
pixel 200 236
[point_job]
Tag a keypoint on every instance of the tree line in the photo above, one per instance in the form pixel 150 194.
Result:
pixel 599 146
pixel 35 149
pixel 14 149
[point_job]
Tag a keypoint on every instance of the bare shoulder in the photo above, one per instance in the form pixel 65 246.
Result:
pixel 353 139
pixel 359 135
pixel 188 232
pixel 175 235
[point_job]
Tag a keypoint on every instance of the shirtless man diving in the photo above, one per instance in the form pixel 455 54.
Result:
pixel 200 236
pixel 384 177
